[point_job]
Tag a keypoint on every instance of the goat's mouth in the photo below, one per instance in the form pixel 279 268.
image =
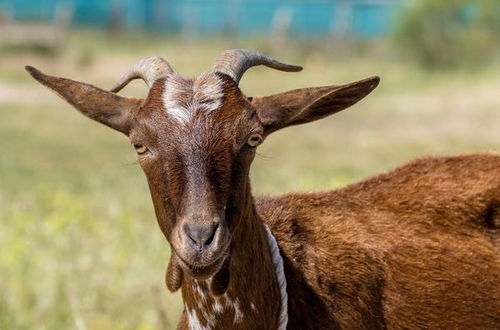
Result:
pixel 200 266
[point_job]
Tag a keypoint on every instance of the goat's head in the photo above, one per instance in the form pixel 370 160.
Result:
pixel 195 140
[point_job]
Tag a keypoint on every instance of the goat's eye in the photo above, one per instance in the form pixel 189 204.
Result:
pixel 140 148
pixel 254 140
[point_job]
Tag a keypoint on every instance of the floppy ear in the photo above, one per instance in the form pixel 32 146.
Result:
pixel 308 104
pixel 103 106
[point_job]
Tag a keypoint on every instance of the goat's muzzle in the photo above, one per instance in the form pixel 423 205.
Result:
pixel 201 246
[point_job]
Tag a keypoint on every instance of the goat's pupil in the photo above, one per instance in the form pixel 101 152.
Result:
pixel 254 140
pixel 139 148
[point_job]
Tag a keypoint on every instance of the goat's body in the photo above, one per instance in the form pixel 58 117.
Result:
pixel 415 248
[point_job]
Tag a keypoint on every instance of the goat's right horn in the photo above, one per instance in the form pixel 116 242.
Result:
pixel 235 62
pixel 149 69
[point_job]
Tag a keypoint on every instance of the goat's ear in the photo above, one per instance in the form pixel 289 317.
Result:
pixel 308 104
pixel 103 106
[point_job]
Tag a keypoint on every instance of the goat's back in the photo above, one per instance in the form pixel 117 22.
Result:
pixel 415 248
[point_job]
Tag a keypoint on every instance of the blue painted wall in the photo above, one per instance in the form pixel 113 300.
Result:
pixel 309 18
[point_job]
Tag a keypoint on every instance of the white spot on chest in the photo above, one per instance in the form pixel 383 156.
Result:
pixel 194 322
pixel 220 305
pixel 182 98
pixel 218 308
pixel 201 293
pixel 238 314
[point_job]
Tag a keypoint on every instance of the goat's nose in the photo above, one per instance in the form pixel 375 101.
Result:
pixel 200 235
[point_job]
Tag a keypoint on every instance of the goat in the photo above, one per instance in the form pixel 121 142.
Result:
pixel 414 248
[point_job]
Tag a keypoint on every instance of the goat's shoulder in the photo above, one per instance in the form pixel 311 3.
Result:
pixel 313 238
pixel 439 199
pixel 341 244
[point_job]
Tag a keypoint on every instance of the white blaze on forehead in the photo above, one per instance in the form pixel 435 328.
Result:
pixel 182 98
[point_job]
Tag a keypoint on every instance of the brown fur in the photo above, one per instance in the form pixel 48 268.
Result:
pixel 414 248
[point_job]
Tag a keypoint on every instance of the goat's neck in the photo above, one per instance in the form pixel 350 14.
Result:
pixel 252 299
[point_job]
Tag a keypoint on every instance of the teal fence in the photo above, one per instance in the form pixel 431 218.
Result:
pixel 302 19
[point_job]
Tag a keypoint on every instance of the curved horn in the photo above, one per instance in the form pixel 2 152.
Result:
pixel 235 62
pixel 148 69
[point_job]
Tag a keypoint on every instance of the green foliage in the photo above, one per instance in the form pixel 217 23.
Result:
pixel 62 260
pixel 450 33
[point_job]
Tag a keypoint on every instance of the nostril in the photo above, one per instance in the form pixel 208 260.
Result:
pixel 209 240
pixel 200 235
pixel 187 231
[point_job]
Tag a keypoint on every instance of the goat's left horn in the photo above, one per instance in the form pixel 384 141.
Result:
pixel 235 62
pixel 149 69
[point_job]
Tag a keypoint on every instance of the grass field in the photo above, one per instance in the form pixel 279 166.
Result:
pixel 79 244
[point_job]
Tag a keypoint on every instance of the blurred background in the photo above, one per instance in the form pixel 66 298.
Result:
pixel 79 243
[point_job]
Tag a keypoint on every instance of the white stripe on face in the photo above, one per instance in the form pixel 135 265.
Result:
pixel 182 98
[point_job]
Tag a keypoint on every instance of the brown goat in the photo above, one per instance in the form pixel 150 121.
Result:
pixel 416 248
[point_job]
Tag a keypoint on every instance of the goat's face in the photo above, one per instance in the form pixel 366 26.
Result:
pixel 195 141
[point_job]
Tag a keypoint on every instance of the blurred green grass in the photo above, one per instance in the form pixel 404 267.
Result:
pixel 79 244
